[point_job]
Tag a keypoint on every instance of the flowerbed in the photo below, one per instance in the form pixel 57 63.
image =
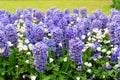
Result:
pixel 59 45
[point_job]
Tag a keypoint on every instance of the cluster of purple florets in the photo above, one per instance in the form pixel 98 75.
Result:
pixel 57 30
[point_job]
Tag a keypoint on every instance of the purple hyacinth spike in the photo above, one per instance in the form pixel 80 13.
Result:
pixel 4 48
pixel 40 56
pixel 75 51
pixel 83 12
pixel 11 34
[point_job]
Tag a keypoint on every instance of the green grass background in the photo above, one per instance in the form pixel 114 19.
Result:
pixel 91 5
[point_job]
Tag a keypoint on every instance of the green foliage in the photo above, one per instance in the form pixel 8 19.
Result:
pixel 116 4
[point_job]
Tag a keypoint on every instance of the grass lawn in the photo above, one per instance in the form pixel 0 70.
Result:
pixel 43 5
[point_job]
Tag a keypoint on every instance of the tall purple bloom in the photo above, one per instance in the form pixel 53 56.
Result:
pixel 4 48
pixel 51 44
pixel 66 11
pixel 76 11
pixel 57 36
pixel 75 50
pixel 97 24
pixel 83 12
pixel 71 32
pixel 40 56
pixel 111 27
pixel 117 35
pixel 11 33
pixel 39 15
pixel 86 23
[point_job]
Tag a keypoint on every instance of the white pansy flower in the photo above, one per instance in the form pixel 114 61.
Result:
pixel 49 34
pixel 25 47
pixel 108 52
pixel 104 50
pixel 89 65
pixel 28 53
pixel 103 76
pixel 116 66
pixel 16 66
pixel 30 46
pixel 89 39
pixel 89 33
pixel 89 70
pixel 27 61
pixel 86 63
pixel 65 59
pixel 77 78
pixel 98 48
pixel 23 76
pixel 51 60
pixel 95 30
pixel 33 77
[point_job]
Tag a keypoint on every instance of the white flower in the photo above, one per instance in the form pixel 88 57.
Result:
pixel 89 38
pixel 89 33
pixel 28 53
pixel 83 50
pixel 95 30
pixel 27 61
pixel 89 65
pixel 86 63
pixel 33 77
pixel 78 19
pixel 108 52
pixel 27 41
pixel 106 31
pixel 9 43
pixel 51 60
pixel 103 76
pixel 89 70
pixel 104 50
pixel 93 39
pixel 30 46
pixel 23 30
pixel 49 34
pixel 77 78
pixel 60 44
pixel 2 50
pixel 98 48
pixel 119 60
pixel 111 45
pixel 21 16
pixel 83 37
pixel 65 59
pixel 16 22
pixel 99 56
pixel 46 38
pixel 89 45
pixel 69 25
pixel 46 30
pixel 23 76
pixel 115 48
pixel 16 66
pixel 116 66
pixel 71 22
pixel 25 47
